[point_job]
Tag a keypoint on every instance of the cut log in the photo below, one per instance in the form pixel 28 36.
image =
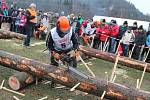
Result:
pixel 126 61
pixel 4 34
pixel 20 80
pixel 70 78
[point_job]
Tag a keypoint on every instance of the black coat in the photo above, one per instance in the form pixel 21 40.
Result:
pixel 140 39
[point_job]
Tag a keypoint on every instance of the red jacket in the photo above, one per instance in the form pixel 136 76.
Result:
pixel 104 32
pixel 114 30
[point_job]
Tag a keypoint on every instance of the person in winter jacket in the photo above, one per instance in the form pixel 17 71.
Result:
pixel 22 23
pixel 135 31
pixel 61 42
pixel 96 43
pixel 4 9
pixel 127 38
pixel 122 29
pixel 140 40
pixel 1 17
pixel 40 31
pixel 13 12
pixel 87 32
pixel 31 22
pixel 18 20
pixel 45 21
pixel 104 33
pixel 113 36
pixel 148 46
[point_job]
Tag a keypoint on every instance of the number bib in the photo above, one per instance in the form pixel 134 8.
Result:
pixel 64 43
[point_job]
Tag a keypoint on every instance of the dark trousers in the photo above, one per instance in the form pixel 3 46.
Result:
pixel 136 53
pixel 43 35
pixel 113 44
pixel 13 26
pixel 1 21
pixel 125 48
pixel 96 43
pixel 28 32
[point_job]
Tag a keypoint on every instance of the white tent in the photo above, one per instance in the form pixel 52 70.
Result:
pixel 121 20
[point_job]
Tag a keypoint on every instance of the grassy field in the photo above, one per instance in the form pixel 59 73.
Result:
pixel 125 76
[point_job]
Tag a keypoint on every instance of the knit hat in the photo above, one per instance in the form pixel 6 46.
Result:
pixel 135 23
pixel 113 21
pixel 125 22
pixel 141 27
pixel 103 20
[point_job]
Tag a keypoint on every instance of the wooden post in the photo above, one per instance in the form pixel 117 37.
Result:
pixel 141 52
pixel 147 54
pixel 141 80
pixel 43 98
pixel 21 94
pixel 114 69
pixel 105 48
pixel 73 88
pixel 102 97
pixel 2 84
pixel 137 84
pixel 60 87
pixel 36 80
pixel 118 47
pixel 86 66
pixel 16 98
pixel 105 45
pixel 92 41
pixel 101 46
pixel 114 78
pixel 132 51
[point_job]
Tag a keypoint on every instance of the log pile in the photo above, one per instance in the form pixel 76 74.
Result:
pixel 126 61
pixel 70 78
pixel 4 34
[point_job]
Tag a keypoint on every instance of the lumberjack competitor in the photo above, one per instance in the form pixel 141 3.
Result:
pixel 62 41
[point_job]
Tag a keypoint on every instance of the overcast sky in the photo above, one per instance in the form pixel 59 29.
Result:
pixel 142 5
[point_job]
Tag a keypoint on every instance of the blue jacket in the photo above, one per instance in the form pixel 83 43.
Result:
pixel 148 40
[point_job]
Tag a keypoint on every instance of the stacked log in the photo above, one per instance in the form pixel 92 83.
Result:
pixel 126 61
pixel 4 34
pixel 72 77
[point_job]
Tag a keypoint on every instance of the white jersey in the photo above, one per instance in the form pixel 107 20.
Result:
pixel 64 43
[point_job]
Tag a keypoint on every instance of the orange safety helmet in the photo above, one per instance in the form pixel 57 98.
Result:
pixel 63 24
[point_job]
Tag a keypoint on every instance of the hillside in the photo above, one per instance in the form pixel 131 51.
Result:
pixel 89 8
